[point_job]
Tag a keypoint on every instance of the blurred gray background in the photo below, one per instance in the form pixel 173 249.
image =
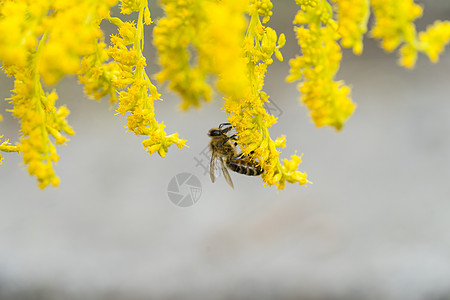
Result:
pixel 374 225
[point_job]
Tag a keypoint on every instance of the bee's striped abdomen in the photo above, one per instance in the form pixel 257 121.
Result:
pixel 244 166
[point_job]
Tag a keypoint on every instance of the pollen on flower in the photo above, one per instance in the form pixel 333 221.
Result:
pixel 408 56
pixel 352 21
pixel 247 114
pixel 327 100
pixel 435 38
pixel 136 99
pixel 264 9
pixel 198 41
pixel 6 146
pixel 394 26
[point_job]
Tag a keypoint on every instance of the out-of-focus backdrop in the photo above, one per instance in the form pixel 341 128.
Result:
pixel 375 223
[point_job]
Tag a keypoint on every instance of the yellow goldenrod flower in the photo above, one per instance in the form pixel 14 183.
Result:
pixel 248 115
pixel 434 39
pixel 39 120
pixel 199 38
pixel 394 22
pixel 263 8
pixel 18 31
pixel 220 48
pixel 129 6
pixel 352 22
pixel 327 100
pixel 138 94
pixel 64 48
pixel 394 26
pixel 97 75
pixel 5 146
pixel 173 39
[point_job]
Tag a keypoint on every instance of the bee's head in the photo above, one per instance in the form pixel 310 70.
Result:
pixel 214 132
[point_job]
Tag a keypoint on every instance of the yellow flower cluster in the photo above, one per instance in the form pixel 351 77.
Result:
pixel 197 39
pixel 39 120
pixel 394 26
pixel 138 94
pixel 49 39
pixel 97 75
pixel 6 146
pixel 264 9
pixel 129 6
pixel 35 44
pixel 20 24
pixel 64 48
pixel 203 45
pixel 434 39
pixel 248 115
pixel 327 100
pixel 352 18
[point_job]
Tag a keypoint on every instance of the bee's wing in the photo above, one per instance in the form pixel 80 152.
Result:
pixel 226 174
pixel 212 166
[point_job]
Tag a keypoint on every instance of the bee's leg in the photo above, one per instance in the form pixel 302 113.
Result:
pixel 224 124
pixel 234 137
pixel 225 130
pixel 239 156
pixel 242 155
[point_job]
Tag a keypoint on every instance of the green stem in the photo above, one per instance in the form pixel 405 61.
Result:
pixel 38 95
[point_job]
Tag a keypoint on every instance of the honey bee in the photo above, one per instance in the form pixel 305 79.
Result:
pixel 223 148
